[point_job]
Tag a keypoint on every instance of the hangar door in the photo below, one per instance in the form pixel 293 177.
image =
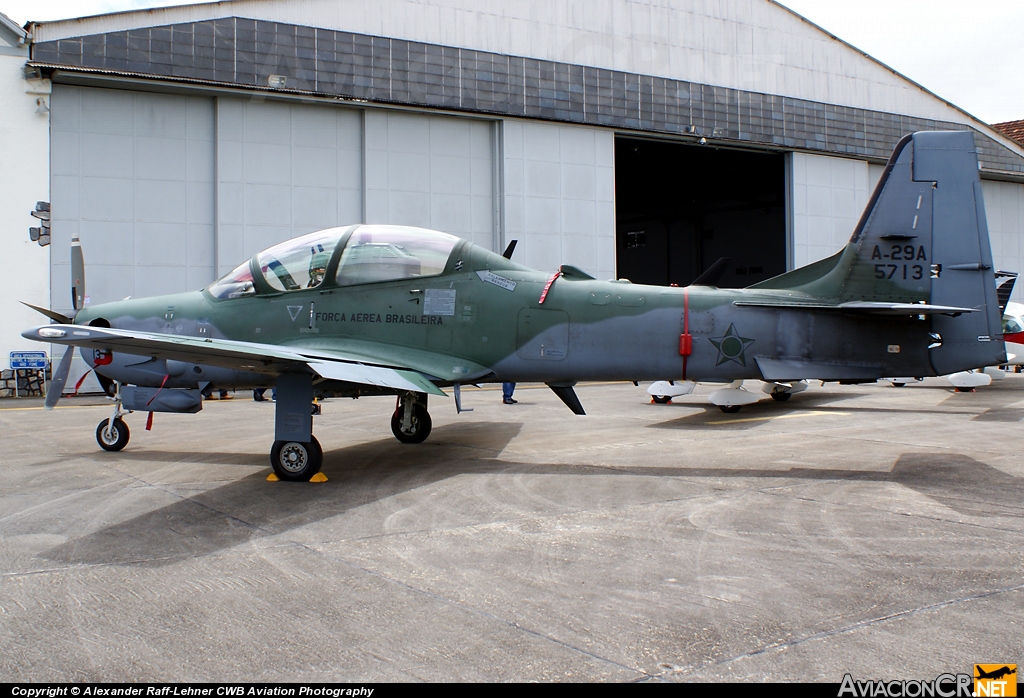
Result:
pixel 132 174
pixel 680 207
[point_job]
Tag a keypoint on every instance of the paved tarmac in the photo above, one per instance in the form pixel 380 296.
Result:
pixel 864 529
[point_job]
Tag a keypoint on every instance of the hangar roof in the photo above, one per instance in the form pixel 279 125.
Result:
pixel 12 35
pixel 725 56
pixel 755 45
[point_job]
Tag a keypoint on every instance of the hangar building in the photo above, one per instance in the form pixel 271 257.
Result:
pixel 640 139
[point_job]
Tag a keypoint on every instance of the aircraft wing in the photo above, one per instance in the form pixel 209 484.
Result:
pixel 333 364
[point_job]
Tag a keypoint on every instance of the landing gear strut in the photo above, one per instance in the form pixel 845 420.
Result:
pixel 112 433
pixel 296 455
pixel 411 422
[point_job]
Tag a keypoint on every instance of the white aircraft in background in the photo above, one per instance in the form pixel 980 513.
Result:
pixel 1013 333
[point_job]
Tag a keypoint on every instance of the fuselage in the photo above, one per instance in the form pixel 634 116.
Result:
pixel 485 321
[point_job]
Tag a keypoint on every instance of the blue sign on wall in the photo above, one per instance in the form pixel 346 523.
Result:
pixel 28 359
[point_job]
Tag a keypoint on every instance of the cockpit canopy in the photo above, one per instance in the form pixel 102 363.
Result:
pixel 369 253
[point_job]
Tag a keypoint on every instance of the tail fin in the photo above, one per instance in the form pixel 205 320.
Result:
pixel 923 238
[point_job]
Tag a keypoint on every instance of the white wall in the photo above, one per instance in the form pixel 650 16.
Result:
pixel 431 172
pixel 24 180
pixel 559 184
pixel 1004 209
pixel 829 195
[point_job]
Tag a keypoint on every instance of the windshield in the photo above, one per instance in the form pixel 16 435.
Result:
pixel 299 263
pixel 237 283
pixel 386 252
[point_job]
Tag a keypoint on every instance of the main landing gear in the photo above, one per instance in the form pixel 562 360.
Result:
pixel 297 461
pixel 411 422
pixel 296 455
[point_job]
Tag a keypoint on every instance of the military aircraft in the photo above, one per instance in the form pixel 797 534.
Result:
pixel 390 310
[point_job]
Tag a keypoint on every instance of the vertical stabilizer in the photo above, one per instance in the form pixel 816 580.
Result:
pixel 922 238
pixel 962 272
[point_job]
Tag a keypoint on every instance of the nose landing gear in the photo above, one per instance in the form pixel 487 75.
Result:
pixel 112 433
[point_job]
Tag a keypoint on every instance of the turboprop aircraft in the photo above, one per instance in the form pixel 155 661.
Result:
pixel 389 310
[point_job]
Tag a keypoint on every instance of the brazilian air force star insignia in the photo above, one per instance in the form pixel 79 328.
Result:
pixel 731 346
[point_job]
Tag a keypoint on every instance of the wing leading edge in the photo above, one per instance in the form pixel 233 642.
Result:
pixel 249 356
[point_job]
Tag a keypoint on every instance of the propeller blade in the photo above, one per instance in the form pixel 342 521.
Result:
pixel 60 377
pixel 77 274
pixel 52 314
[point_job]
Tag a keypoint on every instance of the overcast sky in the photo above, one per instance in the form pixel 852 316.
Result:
pixel 969 52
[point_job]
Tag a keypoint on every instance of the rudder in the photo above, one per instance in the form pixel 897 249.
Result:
pixel 963 273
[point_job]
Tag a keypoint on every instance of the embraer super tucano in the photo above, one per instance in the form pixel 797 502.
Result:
pixel 388 310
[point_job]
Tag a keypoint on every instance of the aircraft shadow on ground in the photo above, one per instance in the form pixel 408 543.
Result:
pixel 249 508
pixel 238 511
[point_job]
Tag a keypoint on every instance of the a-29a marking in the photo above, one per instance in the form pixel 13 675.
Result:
pixel 900 253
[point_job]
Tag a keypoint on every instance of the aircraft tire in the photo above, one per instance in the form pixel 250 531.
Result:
pixel 421 425
pixel 781 396
pixel 116 439
pixel 662 399
pixel 898 384
pixel 296 461
pixel 729 409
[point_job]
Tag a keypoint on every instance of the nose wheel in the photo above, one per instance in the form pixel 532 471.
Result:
pixel 112 435
pixel 297 461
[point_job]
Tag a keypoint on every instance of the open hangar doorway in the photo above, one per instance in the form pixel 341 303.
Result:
pixel 680 207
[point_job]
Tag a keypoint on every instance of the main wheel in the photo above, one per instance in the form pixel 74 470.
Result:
pixel 662 399
pixel 729 409
pixel 418 431
pixel 781 396
pixel 115 438
pixel 897 384
pixel 297 461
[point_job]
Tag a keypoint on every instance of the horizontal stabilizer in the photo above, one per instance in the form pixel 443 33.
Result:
pixel 866 307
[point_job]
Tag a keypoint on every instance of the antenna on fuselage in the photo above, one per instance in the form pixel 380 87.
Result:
pixel 507 254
